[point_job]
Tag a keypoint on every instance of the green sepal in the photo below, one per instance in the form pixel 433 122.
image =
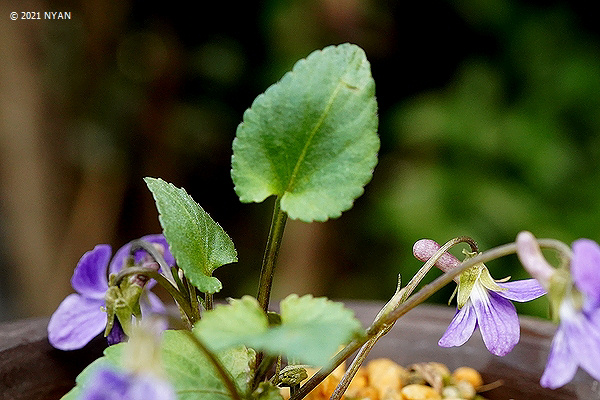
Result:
pixel 490 283
pixel 559 283
pixel 122 302
pixel 454 292
pixel 469 278
pixel 466 281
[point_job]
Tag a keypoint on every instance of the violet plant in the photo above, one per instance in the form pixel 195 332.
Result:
pixel 311 142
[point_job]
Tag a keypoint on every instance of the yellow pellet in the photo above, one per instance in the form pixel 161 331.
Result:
pixel 420 392
pixel 383 379
pixel 384 374
pixel 365 393
pixel 391 394
pixel 468 374
pixel 467 391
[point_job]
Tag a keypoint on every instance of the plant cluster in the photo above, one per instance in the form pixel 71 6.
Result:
pixel 311 141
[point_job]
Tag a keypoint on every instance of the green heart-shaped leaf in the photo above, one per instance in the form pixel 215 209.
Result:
pixel 197 242
pixel 312 137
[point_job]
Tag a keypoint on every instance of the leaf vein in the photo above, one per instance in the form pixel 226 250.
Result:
pixel 314 131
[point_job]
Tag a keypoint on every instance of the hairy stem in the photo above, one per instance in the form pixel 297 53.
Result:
pixel 194 302
pixel 271 253
pixel 208 301
pixel 399 297
pixel 321 374
pixel 355 365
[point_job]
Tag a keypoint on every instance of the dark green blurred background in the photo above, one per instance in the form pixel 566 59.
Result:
pixel 489 121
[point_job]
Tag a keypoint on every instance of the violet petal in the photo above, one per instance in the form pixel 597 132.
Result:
pixel 561 365
pixel 151 304
pixel 533 260
pixel 76 321
pixel 585 268
pixel 147 387
pixel 89 278
pixel 160 239
pixel 461 328
pixel 116 334
pixel 583 337
pixel 522 290
pixel 497 319
pixel 104 384
pixel 119 259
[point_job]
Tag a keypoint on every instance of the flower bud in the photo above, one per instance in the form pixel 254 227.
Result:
pixel 292 375
pixel 424 249
pixel 532 258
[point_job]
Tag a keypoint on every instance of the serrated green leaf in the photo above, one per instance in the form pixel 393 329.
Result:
pixel 312 137
pixel 239 322
pixel 197 242
pixel 186 367
pixel 311 330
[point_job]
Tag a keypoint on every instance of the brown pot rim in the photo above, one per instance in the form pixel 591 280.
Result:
pixel 31 369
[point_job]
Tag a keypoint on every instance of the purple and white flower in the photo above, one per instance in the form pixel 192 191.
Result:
pixel 143 376
pixel 576 342
pixel 81 316
pixel 482 302
pixel 111 384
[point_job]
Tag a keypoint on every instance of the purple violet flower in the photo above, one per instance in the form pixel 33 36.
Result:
pixel 576 342
pixel 483 302
pixel 80 317
pixel 110 384
pixel 143 376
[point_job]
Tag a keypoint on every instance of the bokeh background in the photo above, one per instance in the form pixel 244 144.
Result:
pixel 489 121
